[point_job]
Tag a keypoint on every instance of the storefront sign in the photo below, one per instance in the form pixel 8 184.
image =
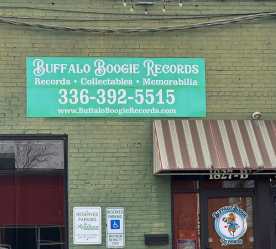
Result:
pixel 230 225
pixel 115 87
pixel 87 225
pixel 115 228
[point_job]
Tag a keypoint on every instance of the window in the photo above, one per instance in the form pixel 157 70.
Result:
pixel 32 192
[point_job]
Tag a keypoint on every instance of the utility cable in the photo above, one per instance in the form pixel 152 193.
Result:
pixel 112 13
pixel 134 30
pixel 132 18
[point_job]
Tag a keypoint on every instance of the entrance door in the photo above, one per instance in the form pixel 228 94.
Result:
pixel 227 221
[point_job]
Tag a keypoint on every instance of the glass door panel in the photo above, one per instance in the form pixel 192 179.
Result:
pixel 230 223
pixel 186 221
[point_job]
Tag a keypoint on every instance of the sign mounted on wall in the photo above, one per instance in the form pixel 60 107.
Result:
pixel 115 87
pixel 87 229
pixel 230 224
pixel 115 228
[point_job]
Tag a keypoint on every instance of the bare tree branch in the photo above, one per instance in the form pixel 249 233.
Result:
pixel 30 154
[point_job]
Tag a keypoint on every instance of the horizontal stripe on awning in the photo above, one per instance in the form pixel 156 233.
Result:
pixel 201 145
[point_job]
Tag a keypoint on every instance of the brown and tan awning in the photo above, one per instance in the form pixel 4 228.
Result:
pixel 201 145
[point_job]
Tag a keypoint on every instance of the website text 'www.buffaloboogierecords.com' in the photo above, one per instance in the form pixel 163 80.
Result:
pixel 119 111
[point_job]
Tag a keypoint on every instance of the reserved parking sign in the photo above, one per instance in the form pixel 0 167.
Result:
pixel 115 228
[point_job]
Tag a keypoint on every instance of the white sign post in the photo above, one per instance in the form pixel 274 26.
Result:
pixel 115 228
pixel 87 228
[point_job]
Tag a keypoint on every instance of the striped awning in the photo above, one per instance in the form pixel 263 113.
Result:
pixel 202 145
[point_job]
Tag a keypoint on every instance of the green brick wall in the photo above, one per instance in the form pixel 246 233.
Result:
pixel 110 160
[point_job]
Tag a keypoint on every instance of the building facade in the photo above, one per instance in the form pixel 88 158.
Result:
pixel 109 161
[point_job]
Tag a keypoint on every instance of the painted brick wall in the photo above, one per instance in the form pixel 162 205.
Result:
pixel 110 160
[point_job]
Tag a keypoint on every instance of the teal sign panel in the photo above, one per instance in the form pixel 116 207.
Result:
pixel 115 87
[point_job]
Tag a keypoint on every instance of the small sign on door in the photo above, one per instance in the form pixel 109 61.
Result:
pixel 186 244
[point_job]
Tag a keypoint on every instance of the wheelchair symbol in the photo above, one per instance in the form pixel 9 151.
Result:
pixel 115 224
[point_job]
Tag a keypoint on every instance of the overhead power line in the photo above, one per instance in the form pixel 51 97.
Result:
pixel 200 25
pixel 54 9
pixel 131 18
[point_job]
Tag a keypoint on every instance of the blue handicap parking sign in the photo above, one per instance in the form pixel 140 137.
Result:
pixel 115 224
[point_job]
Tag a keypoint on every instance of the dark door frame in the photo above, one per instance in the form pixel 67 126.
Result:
pixel 264 215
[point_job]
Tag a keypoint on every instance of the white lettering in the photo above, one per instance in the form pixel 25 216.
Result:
pixel 153 69
pixel 78 69
pixel 40 67
pixel 102 68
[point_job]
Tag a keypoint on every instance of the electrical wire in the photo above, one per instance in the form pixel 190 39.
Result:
pixel 119 14
pixel 134 30
pixel 132 18
pixel 77 11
